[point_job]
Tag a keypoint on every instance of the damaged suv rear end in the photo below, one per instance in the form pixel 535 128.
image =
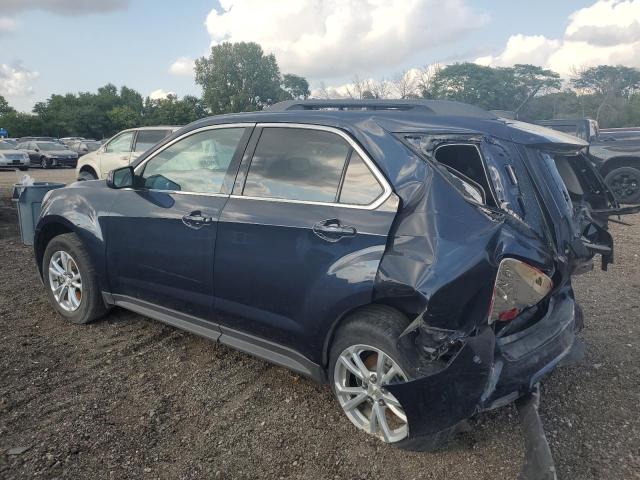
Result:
pixel 495 217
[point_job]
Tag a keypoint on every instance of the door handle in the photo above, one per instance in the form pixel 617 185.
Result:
pixel 196 220
pixel 332 230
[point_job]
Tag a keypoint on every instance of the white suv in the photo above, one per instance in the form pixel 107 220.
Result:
pixel 120 150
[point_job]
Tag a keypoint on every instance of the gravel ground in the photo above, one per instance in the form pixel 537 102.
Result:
pixel 128 397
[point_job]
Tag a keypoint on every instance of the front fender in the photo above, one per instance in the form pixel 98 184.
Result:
pixel 78 208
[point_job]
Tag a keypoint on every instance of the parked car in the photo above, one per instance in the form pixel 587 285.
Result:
pixel 12 141
pixel 49 154
pixel 11 157
pixel 615 152
pixel 36 139
pixel 120 150
pixel 69 140
pixel 82 147
pixel 415 255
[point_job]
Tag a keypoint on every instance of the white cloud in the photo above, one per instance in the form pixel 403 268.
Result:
pixel 160 94
pixel 16 80
pixel 339 37
pixel 64 7
pixel 7 25
pixel 607 32
pixel 182 66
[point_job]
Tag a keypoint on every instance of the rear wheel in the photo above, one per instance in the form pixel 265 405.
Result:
pixel 364 359
pixel 71 281
pixel 23 169
pixel 624 182
pixel 86 175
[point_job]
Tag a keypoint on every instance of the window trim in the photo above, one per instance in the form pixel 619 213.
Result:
pixel 141 165
pixel 386 188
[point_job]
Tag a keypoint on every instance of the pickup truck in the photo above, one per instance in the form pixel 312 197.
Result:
pixel 615 152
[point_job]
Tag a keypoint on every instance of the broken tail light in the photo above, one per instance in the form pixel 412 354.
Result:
pixel 518 286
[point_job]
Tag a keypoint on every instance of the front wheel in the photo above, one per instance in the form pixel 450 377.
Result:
pixel 44 163
pixel 624 182
pixel 364 359
pixel 71 281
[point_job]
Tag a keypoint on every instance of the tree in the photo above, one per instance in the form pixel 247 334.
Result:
pixel 296 86
pixel 405 84
pixel 530 80
pixel 608 83
pixel 5 108
pixel 238 77
pixel 173 111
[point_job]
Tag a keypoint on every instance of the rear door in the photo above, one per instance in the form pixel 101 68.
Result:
pixel 300 239
pixel 162 235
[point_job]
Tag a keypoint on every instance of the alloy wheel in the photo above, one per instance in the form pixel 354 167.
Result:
pixel 360 376
pixel 65 281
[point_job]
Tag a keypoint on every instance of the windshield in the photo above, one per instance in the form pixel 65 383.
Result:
pixel 50 146
pixel 6 146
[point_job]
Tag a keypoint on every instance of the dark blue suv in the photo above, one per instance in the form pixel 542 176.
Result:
pixel 415 255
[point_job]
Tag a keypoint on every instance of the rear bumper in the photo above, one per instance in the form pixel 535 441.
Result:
pixel 13 163
pixel 489 372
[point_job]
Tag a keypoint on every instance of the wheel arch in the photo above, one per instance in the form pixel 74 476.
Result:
pixel 344 319
pixel 90 169
pixel 617 162
pixel 45 233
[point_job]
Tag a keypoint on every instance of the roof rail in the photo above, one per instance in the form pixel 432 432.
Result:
pixel 434 107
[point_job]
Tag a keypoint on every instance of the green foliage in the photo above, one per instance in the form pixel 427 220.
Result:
pixel 5 108
pixel 295 86
pixel 608 80
pixel 173 111
pixel 238 77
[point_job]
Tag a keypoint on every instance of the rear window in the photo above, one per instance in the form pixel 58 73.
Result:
pixel 297 164
pixel 148 138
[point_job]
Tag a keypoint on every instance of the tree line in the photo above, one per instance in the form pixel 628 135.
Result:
pixel 239 77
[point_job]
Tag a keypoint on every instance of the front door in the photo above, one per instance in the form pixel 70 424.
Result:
pixel 115 153
pixel 161 236
pixel 299 242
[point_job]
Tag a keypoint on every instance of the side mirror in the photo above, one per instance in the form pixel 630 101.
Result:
pixel 37 149
pixel 122 177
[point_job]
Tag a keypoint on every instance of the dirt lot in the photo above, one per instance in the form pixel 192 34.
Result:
pixel 128 397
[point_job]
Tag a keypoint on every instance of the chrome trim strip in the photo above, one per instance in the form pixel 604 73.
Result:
pixel 188 134
pixel 365 157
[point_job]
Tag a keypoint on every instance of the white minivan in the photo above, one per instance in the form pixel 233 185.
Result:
pixel 120 150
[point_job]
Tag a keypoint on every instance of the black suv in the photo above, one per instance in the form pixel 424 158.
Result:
pixel 415 255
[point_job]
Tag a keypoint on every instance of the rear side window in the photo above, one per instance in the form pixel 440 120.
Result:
pixel 148 138
pixel 360 186
pixel 297 164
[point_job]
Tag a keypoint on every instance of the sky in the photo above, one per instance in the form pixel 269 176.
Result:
pixel 60 46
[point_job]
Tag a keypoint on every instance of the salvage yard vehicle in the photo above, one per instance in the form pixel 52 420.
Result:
pixel 415 255
pixel 119 151
pixel 48 154
pixel 12 157
pixel 615 152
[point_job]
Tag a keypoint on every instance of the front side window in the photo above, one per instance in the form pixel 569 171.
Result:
pixel 148 138
pixel 297 164
pixel 120 144
pixel 197 163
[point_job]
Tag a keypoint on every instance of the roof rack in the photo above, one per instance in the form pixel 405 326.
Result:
pixel 434 107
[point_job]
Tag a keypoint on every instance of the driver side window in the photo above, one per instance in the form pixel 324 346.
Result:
pixel 197 163
pixel 120 144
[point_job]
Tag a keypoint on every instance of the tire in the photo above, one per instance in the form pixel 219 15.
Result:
pixel 379 327
pixel 85 175
pixel 23 169
pixel 91 305
pixel 624 182
pixel 44 164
